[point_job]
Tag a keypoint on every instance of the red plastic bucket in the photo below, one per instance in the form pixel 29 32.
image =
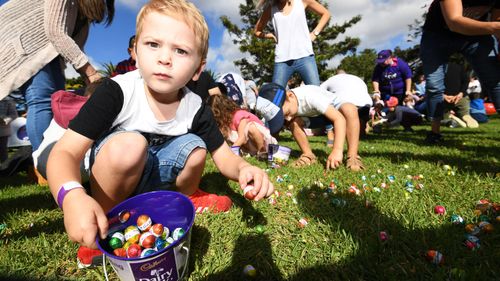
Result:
pixel 489 108
pixel 173 210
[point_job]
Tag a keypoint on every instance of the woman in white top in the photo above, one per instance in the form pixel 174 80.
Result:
pixel 36 39
pixel 293 52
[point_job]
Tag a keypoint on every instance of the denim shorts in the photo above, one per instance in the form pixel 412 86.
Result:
pixel 164 161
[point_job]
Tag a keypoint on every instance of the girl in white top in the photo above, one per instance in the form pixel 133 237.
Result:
pixel 293 52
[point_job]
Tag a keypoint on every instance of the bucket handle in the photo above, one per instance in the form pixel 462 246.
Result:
pixel 104 267
pixel 187 263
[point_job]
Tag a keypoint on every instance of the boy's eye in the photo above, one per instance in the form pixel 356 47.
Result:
pixel 153 44
pixel 180 51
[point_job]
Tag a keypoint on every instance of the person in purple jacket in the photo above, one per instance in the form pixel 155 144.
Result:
pixel 391 77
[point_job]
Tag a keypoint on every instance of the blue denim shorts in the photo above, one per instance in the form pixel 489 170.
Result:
pixel 164 162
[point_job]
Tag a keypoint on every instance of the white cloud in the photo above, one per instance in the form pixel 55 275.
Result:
pixel 382 21
pixel 134 5
pixel 221 59
pixel 384 24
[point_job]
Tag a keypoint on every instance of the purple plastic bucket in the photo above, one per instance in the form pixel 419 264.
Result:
pixel 173 210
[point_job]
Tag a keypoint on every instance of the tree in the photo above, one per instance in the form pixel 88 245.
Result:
pixel 260 60
pixel 108 69
pixel 360 64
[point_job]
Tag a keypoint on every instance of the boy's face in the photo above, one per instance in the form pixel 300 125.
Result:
pixel 167 54
pixel 290 106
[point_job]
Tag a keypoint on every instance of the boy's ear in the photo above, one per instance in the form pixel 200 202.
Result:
pixel 200 69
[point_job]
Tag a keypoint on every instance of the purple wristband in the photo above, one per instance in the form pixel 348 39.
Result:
pixel 64 189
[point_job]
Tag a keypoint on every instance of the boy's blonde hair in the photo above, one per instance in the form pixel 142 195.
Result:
pixel 180 10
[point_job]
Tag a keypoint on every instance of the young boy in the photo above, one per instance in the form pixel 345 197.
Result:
pixel 147 131
pixel 401 115
pixel 311 101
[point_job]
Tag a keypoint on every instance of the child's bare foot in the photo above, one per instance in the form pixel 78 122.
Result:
pixel 354 163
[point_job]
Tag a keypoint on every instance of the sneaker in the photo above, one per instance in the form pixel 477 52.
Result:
pixel 433 138
pixel 471 122
pixel 452 124
pixel 87 257
pixel 204 201
pixel 459 121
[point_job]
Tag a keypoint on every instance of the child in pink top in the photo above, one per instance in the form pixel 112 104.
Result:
pixel 240 127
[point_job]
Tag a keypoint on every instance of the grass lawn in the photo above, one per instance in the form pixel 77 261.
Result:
pixel 338 243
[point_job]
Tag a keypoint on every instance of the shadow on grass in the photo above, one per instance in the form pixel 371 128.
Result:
pixel 402 256
pixel 32 203
pixel 220 186
pixel 255 248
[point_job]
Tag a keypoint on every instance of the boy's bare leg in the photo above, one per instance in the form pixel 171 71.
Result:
pixel 350 113
pixel 118 168
pixel 188 180
pixel 330 136
pixel 296 126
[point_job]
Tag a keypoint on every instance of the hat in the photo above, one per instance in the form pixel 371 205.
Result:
pixel 276 123
pixel 383 55
pixel 274 93
pixel 391 102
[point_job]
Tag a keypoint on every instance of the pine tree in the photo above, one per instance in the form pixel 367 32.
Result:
pixel 259 63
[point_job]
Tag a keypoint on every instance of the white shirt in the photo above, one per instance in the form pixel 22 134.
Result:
pixel 313 100
pixel 348 88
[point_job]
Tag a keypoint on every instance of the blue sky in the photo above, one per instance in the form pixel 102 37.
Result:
pixel 384 25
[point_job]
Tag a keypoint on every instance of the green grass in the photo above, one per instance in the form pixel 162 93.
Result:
pixel 339 243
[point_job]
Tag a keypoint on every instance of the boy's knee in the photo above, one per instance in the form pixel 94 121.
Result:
pixel 196 157
pixel 125 150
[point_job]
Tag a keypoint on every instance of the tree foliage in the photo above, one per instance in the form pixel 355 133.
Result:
pixel 108 69
pixel 259 62
pixel 360 64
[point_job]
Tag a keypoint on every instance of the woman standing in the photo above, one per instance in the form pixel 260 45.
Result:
pixel 293 52
pixel 36 39
pixel 459 26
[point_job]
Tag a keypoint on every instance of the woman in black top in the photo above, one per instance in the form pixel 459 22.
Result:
pixel 467 27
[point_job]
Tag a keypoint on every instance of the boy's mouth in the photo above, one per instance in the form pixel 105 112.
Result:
pixel 162 76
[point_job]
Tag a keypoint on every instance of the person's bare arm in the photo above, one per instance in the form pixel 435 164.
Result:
pixel 453 15
pixel 261 24
pixel 321 11
pixel 84 218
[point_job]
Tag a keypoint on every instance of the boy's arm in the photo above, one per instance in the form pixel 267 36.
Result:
pixel 83 216
pixel 237 169
pixel 338 120
pixel 241 133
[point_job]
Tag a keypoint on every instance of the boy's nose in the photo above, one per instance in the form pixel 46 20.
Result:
pixel 165 57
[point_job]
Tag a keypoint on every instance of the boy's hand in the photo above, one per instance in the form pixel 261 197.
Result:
pixel 84 219
pixel 334 159
pixel 262 186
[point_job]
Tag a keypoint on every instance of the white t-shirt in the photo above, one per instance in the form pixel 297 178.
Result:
pixel 313 100
pixel 348 88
